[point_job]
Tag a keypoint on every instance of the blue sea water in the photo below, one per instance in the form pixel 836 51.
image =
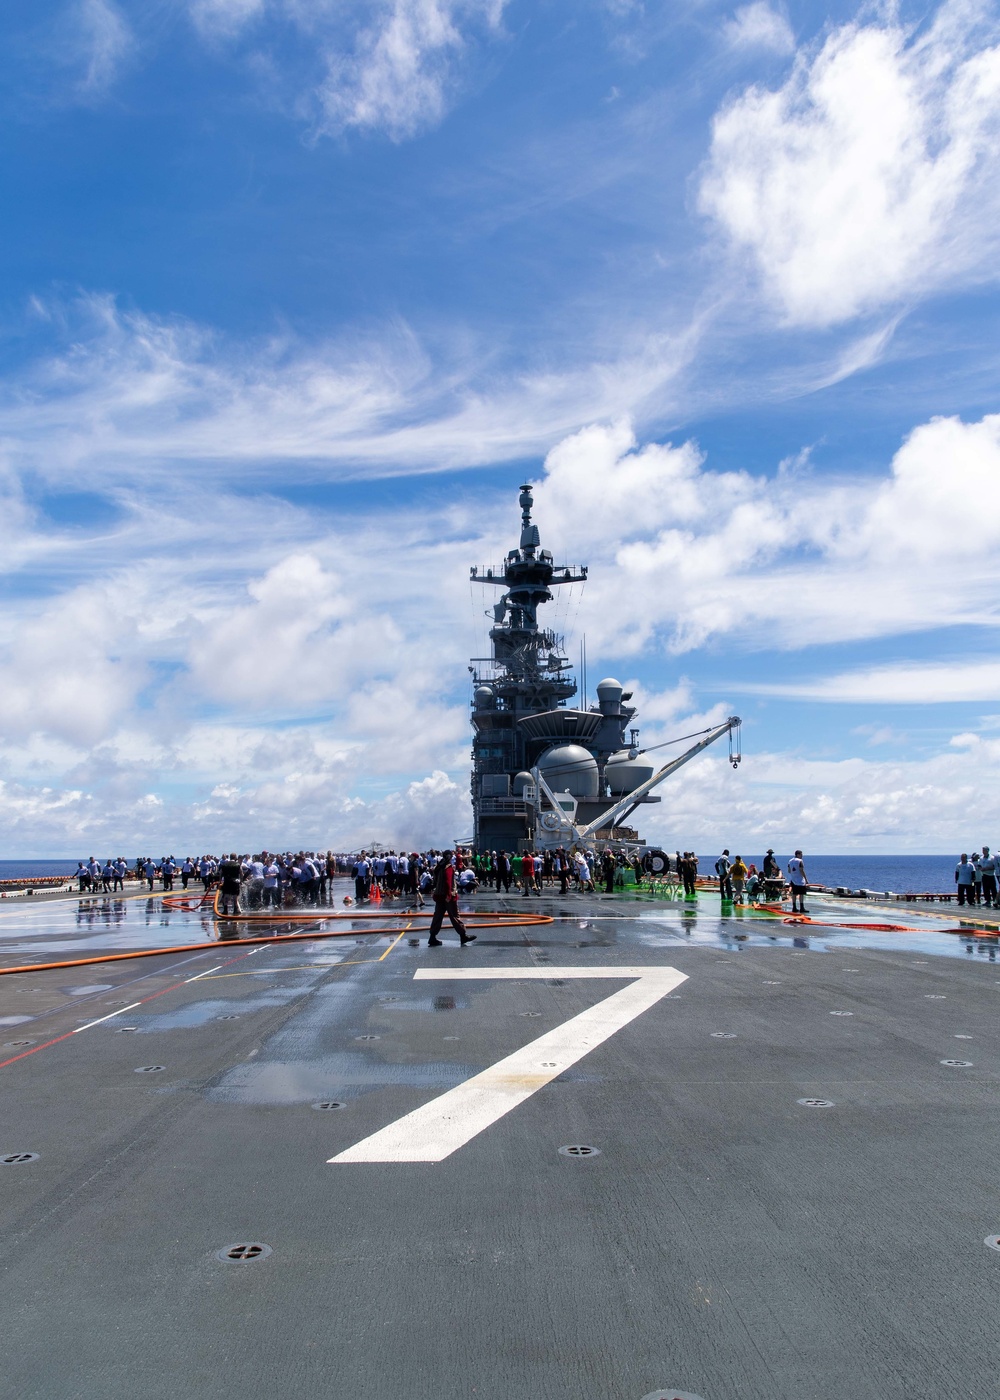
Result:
pixel 901 874
pixel 19 869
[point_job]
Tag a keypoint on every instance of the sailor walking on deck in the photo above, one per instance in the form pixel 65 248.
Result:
pixel 446 902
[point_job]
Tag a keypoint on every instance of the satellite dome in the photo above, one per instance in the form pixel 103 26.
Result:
pixel 483 697
pixel 624 773
pixel 521 781
pixel 609 695
pixel 570 768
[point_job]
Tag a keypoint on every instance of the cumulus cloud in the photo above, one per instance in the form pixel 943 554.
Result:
pixel 759 27
pixel 871 175
pixel 63 674
pixel 787 800
pixel 785 561
pixel 246 664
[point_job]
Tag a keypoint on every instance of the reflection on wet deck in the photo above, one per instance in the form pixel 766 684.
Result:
pixel 105 925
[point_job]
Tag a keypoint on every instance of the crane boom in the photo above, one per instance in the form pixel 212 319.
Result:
pixel 611 815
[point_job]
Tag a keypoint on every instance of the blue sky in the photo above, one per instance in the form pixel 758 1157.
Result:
pixel 294 295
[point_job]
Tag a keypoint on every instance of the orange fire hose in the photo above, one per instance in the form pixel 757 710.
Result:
pixel 486 918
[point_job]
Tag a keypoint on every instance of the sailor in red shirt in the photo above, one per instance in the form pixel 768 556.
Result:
pixel 528 873
pixel 446 902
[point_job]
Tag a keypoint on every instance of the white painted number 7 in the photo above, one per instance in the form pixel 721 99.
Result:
pixel 439 1128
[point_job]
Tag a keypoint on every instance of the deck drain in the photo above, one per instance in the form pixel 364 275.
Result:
pixel 723 1035
pixel 17 1159
pixel 992 1242
pixel 14 1044
pixel 957 1064
pixel 243 1253
pixel 841 1013
pixel 579 1149
pixel 149 1069
pixel 227 1018
pixel 525 1013
pixel 124 1030
pixel 329 1103
pixel 367 1037
pixel 815 1103
pixel 671 1395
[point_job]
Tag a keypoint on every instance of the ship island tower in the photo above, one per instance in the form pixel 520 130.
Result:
pixel 520 714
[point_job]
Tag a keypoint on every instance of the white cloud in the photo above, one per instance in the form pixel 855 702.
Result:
pixel 783 562
pixel 99 38
pixel 873 174
pixel 388 66
pixel 263 668
pixel 917 684
pixel 759 27
pixel 784 799
pixel 401 75
pixel 225 18
pixel 128 389
pixel 63 673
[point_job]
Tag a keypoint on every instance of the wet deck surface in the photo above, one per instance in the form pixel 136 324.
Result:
pixel 728 1240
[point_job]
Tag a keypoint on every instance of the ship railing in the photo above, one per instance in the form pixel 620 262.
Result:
pixel 498 806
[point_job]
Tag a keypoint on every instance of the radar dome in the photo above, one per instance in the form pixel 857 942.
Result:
pixel 483 697
pixel 623 773
pixel 570 768
pixel 609 696
pixel 521 781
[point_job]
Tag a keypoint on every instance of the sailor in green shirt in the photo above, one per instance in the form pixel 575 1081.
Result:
pixel 515 864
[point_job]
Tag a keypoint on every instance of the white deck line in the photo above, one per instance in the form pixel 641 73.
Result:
pixel 437 1129
pixel 111 1014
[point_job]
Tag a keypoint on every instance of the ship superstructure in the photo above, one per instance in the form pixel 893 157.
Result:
pixel 520 712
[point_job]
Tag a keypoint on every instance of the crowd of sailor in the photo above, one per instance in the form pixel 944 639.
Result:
pixel 268 879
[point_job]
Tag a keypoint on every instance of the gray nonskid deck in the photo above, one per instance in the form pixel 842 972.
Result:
pixel 727 1240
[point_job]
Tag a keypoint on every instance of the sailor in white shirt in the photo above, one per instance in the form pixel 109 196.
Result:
pixel 799 883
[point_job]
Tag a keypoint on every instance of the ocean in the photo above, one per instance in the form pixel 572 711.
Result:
pixel 901 874
pixel 18 869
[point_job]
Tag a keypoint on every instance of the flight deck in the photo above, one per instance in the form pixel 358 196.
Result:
pixel 647 1149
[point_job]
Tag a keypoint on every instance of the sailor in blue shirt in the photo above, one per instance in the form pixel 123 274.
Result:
pixel 965 880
